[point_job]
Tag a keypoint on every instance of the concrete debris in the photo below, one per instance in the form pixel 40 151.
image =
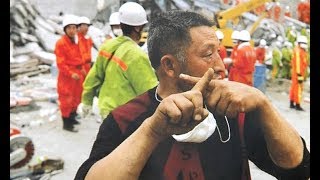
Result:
pixel 45 57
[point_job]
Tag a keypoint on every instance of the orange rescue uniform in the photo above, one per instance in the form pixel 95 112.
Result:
pixel 299 66
pixel 231 68
pixel 69 61
pixel 244 64
pixel 261 54
pixel 85 45
pixel 303 9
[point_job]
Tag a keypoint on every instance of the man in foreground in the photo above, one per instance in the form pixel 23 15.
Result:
pixel 187 126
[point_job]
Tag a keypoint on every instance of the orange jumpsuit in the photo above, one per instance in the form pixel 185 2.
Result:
pixel 69 61
pixel 231 68
pixel 261 54
pixel 299 66
pixel 85 45
pixel 244 64
pixel 303 9
pixel 223 54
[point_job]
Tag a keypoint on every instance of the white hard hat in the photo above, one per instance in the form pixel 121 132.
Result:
pixel 302 39
pixel 245 35
pixel 114 19
pixel 287 44
pixel 84 20
pixel 287 7
pixel 69 19
pixel 278 44
pixel 219 34
pixel 262 43
pixel 235 35
pixel 280 38
pixel 133 14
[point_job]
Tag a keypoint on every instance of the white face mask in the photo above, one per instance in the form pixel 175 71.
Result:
pixel 117 32
pixel 199 133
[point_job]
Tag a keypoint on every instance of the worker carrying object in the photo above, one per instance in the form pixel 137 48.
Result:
pixel 299 68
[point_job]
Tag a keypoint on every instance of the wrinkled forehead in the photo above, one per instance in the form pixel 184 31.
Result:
pixel 203 36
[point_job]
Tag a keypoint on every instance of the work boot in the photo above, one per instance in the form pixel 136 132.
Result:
pixel 299 108
pixel 73 116
pixel 292 104
pixel 69 125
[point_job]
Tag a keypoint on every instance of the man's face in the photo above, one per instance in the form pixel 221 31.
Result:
pixel 203 54
pixel 83 28
pixel 71 30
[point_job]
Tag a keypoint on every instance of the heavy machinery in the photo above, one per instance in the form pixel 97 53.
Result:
pixel 229 17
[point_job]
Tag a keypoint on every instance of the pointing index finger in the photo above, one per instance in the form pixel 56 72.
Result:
pixel 204 81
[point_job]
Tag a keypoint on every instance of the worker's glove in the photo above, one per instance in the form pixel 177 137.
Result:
pixel 84 110
pixel 300 79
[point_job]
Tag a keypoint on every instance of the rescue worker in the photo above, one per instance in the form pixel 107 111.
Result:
pixel 85 41
pixel 287 11
pixel 291 34
pixel 276 60
pixel 245 60
pixel 259 78
pixel 299 68
pixel 114 23
pixel 303 9
pixel 71 73
pixel 122 70
pixel 222 50
pixel 235 40
pixel 287 53
pixel 261 51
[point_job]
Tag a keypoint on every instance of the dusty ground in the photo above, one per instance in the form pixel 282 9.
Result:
pixel 44 126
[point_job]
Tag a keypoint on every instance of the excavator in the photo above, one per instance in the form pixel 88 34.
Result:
pixel 231 16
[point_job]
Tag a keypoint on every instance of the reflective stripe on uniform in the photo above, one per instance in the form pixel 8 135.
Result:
pixel 115 59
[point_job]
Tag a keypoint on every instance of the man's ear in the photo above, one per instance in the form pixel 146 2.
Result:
pixel 170 65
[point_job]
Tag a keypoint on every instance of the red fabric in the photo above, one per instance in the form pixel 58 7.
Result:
pixel 299 66
pixel 183 159
pixel 85 46
pixel 303 9
pixel 231 68
pixel 277 13
pixel 261 54
pixel 69 61
pixel 244 65
pixel 223 54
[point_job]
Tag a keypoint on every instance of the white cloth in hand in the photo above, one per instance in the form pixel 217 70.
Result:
pixel 199 133
pixel 84 110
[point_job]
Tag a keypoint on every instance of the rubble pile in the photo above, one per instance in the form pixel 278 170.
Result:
pixel 32 40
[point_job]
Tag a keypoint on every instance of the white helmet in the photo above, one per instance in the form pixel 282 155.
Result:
pixel 84 20
pixel 262 43
pixel 219 34
pixel 287 8
pixel 278 44
pixel 133 14
pixel 280 38
pixel 114 19
pixel 288 44
pixel 235 35
pixel 245 35
pixel 302 39
pixel 69 19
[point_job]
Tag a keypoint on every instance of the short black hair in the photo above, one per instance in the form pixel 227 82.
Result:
pixel 169 33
